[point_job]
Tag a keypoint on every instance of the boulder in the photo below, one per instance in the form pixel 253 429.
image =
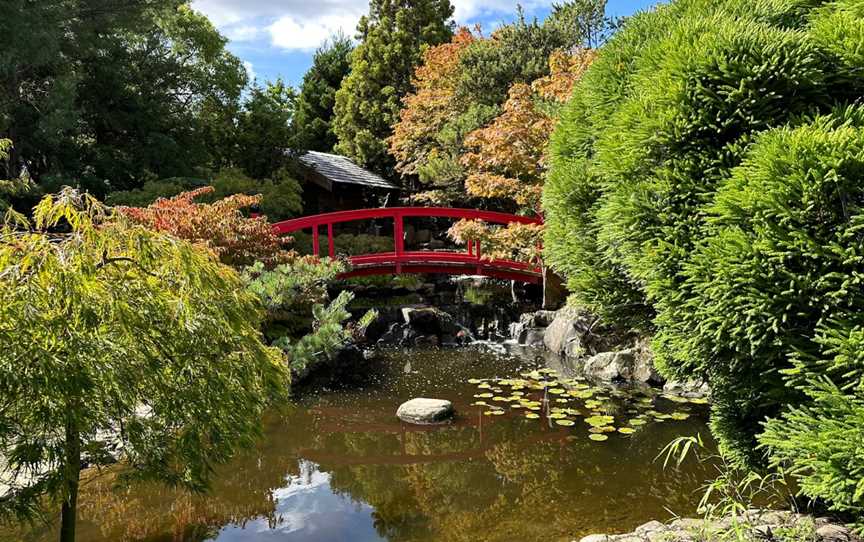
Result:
pixel 538 319
pixel 691 388
pixel 425 411
pixel 611 366
pixel 567 325
pixel 835 533
pixel 532 336
pixel 429 321
pixel 650 527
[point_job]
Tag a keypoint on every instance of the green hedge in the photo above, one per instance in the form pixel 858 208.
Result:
pixel 705 179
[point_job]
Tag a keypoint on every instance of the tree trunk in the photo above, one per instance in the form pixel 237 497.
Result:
pixel 69 512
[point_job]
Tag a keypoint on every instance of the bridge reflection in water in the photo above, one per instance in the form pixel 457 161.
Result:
pixel 400 260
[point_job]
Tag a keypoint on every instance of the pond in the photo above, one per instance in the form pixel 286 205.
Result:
pixel 338 465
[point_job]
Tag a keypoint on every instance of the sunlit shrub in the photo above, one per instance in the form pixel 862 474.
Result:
pixel 280 196
pixel 696 97
pixel 238 240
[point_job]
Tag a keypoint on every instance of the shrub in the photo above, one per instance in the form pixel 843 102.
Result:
pixel 237 240
pixel 300 320
pixel 822 443
pixel 108 329
pixel 780 252
pixel 703 174
pixel 280 196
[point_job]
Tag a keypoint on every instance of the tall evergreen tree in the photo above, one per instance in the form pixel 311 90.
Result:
pixel 392 38
pixel 263 129
pixel 115 93
pixel 313 129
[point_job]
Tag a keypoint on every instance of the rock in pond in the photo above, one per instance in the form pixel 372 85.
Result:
pixel 425 411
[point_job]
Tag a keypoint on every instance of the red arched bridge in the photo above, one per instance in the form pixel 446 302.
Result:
pixel 399 261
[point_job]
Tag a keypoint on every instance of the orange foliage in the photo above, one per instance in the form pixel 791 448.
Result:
pixel 431 105
pixel 220 226
pixel 508 154
pixel 565 71
pixel 520 242
pixel 507 158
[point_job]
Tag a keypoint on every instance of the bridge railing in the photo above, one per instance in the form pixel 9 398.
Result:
pixel 418 259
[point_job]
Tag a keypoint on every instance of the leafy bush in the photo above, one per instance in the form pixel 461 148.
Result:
pixel 280 196
pixel 822 442
pixel 781 252
pixel 237 240
pixel 705 178
pixel 345 243
pixel 11 189
pixel 295 291
pixel 329 333
pixel 108 328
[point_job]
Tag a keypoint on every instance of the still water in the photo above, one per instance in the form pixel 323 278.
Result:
pixel 338 466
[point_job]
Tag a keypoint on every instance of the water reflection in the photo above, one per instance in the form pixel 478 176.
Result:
pixel 307 509
pixel 339 466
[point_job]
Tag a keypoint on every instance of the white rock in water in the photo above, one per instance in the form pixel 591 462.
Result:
pixel 425 411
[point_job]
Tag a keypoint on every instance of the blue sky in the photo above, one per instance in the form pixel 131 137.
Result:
pixel 277 38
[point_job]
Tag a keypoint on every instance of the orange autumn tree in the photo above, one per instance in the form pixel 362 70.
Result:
pixel 221 226
pixel 432 104
pixel 506 160
pixel 426 142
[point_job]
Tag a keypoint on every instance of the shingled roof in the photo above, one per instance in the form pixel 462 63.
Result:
pixel 339 169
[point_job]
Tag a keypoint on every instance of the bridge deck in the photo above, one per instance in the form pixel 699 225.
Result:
pixel 400 261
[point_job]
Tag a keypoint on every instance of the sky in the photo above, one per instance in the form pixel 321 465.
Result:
pixel 277 38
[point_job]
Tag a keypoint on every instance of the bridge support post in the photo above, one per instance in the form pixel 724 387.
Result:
pixel 316 246
pixel 398 239
pixel 331 248
pixel 554 290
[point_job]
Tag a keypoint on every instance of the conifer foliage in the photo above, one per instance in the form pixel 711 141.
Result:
pixel 392 37
pixel 705 187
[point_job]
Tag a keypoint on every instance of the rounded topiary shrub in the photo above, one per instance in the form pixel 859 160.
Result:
pixel 781 258
pixel 665 117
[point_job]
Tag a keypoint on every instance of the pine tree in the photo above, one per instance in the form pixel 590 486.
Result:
pixel 313 120
pixel 392 38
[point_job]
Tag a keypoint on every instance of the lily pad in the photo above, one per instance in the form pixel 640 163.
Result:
pixel 599 421
pixel 598 437
pixel 565 423
pixel 626 430
pixel 531 415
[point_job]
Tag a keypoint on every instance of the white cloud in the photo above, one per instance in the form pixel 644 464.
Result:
pixel 250 70
pixel 289 32
pixel 304 24
pixel 241 32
